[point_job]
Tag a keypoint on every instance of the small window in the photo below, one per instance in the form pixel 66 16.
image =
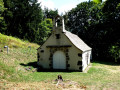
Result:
pixel 57 36
pixel 42 51
pixel 79 63
pixel 68 65
pixel 79 54
pixel 80 68
pixel 50 65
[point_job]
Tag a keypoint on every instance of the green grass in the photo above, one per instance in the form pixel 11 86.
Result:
pixel 19 52
pixel 14 42
pixel 10 63
pixel 13 66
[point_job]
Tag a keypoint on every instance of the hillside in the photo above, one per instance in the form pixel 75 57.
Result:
pixel 18 71
pixel 13 42
pixel 19 51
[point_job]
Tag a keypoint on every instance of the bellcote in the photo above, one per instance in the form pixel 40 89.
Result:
pixel 58 24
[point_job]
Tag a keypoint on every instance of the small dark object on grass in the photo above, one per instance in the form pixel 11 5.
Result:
pixel 1 50
pixel 60 77
pixel 59 81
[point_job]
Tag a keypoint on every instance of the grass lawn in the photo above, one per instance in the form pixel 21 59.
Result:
pixel 13 73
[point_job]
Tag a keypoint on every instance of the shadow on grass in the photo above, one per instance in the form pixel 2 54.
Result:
pixel 54 70
pixel 30 64
pixel 40 69
pixel 112 63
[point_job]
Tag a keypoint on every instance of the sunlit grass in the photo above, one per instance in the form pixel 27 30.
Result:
pixel 13 42
pixel 14 66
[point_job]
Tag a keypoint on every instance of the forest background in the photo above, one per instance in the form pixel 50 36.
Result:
pixel 96 23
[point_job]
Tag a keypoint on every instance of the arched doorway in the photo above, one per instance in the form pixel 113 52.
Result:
pixel 59 60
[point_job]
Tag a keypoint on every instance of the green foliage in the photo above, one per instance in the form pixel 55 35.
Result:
pixel 22 18
pixel 25 20
pixel 44 30
pixel 111 25
pixel 48 13
pixel 78 18
pixel 97 1
pixel 115 52
pixel 2 21
pixel 2 8
pixel 97 24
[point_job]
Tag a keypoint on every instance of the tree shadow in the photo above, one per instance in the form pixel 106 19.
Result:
pixel 112 63
pixel 30 64
pixel 40 69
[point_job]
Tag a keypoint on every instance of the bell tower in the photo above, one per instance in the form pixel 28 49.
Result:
pixel 58 25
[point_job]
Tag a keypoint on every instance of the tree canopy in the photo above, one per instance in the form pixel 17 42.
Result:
pixel 2 21
pixel 98 25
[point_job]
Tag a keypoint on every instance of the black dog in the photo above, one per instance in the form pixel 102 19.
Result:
pixel 60 77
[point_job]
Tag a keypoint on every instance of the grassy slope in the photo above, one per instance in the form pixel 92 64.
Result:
pixel 19 52
pixel 13 73
pixel 15 42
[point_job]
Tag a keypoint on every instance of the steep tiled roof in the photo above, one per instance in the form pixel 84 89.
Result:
pixel 77 41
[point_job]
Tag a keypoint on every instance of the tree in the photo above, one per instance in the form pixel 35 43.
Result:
pixel 86 20
pixel 2 21
pixel 44 30
pixel 111 14
pixel 1 9
pixel 48 13
pixel 78 19
pixel 115 52
pixel 22 18
pixel 98 25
